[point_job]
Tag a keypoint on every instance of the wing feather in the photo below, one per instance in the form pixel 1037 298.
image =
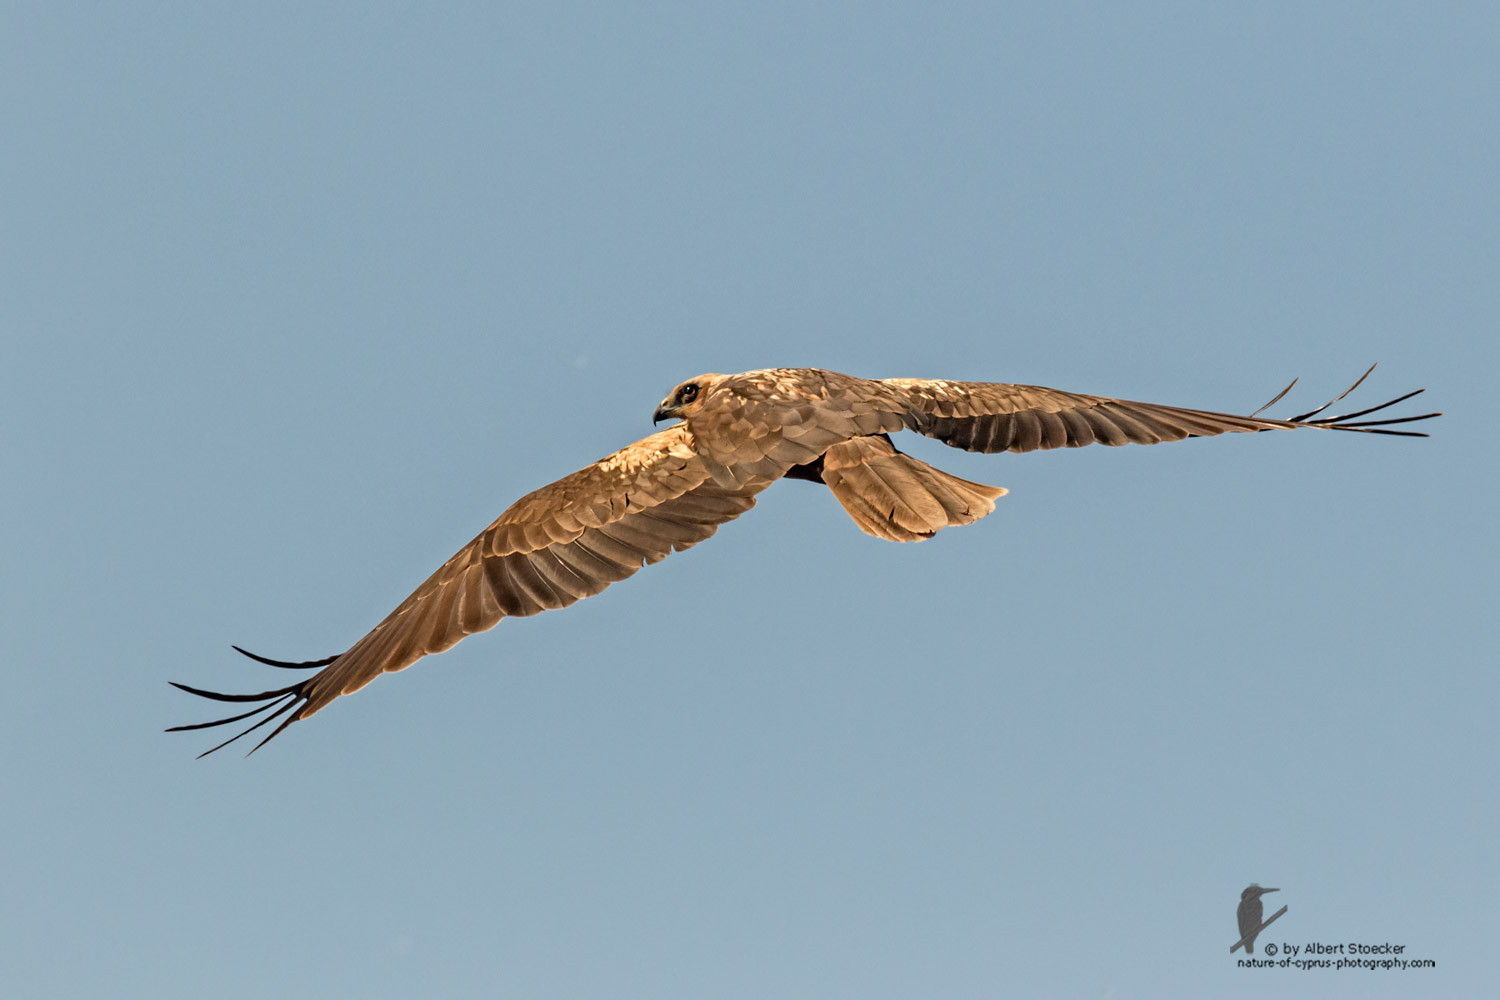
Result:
pixel 551 548
pixel 523 590
pixel 993 417
pixel 632 533
pixel 1078 427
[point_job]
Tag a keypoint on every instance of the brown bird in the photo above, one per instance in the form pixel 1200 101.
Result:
pixel 738 435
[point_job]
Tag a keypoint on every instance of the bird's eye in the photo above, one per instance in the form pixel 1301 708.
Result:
pixel 688 393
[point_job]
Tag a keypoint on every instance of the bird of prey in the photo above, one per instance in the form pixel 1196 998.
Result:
pixel 1249 913
pixel 736 435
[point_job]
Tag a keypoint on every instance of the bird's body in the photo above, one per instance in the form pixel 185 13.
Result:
pixel 1249 915
pixel 739 434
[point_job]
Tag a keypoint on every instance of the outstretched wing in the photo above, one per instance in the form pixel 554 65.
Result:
pixel 758 425
pixel 562 543
pixel 991 417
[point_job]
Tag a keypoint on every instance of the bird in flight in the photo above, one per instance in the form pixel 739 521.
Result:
pixel 736 435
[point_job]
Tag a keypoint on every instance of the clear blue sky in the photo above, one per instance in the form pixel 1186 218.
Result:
pixel 296 298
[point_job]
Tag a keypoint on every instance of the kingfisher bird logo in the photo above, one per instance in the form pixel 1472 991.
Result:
pixel 1249 916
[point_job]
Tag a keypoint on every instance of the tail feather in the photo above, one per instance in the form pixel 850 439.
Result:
pixel 893 496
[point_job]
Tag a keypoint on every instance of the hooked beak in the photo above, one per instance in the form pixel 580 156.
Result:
pixel 662 412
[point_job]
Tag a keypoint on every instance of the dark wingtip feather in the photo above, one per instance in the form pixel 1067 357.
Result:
pixel 275 732
pixel 1346 421
pixel 218 722
pixel 246 732
pixel 1276 398
pixel 219 696
pixel 276 702
pixel 304 665
pixel 1302 417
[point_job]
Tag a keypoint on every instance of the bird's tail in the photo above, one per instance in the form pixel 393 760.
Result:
pixel 894 496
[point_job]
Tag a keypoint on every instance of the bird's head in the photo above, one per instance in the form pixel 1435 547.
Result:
pixel 1253 891
pixel 685 400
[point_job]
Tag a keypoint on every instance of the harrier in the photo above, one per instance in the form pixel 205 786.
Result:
pixel 737 435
